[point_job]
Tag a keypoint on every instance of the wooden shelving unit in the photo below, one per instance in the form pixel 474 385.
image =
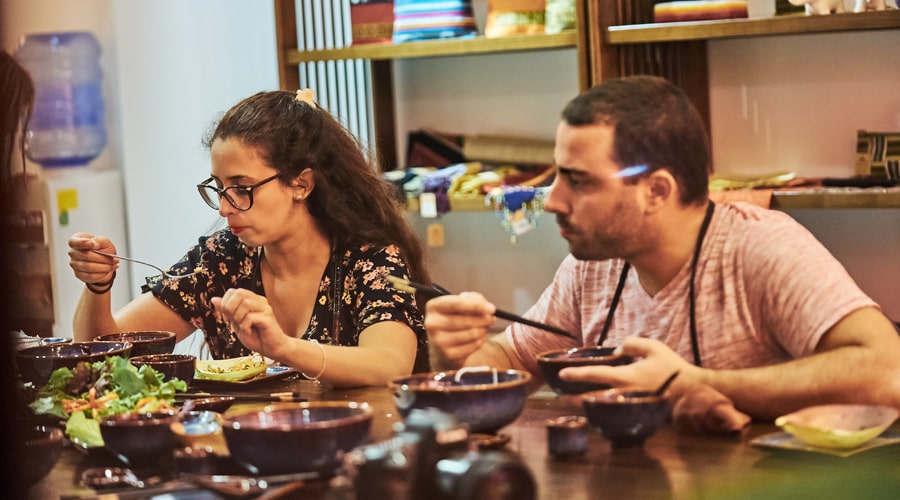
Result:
pixel 837 198
pixel 831 198
pixel 735 28
pixel 615 38
pixel 381 57
pixel 435 48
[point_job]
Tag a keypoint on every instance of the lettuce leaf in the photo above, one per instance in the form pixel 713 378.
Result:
pixel 114 374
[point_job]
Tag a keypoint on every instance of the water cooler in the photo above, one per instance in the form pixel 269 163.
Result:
pixel 60 202
pixel 65 190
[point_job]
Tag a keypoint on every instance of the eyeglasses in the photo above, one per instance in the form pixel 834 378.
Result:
pixel 240 197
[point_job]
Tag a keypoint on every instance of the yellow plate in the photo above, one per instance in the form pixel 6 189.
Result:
pixel 231 370
pixel 838 426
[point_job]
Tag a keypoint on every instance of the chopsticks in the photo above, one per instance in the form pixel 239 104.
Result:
pixel 290 397
pixel 437 291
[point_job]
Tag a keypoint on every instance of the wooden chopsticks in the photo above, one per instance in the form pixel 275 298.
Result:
pixel 437 291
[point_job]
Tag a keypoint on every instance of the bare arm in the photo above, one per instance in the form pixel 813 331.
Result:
pixel 856 361
pixel 386 349
pixel 93 313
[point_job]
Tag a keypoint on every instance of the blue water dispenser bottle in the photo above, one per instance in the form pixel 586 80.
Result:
pixel 66 128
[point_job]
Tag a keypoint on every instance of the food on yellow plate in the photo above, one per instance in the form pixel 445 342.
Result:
pixel 231 370
pixel 838 426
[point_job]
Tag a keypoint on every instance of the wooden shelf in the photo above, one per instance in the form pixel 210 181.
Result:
pixel 733 28
pixel 433 48
pixel 781 200
pixel 837 198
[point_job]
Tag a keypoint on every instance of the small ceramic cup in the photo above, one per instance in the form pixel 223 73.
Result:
pixel 567 435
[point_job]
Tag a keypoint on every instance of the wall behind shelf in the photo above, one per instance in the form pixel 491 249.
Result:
pixel 516 94
pixel 795 103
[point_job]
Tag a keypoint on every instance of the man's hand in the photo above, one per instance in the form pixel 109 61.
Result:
pixel 653 363
pixel 703 409
pixel 457 327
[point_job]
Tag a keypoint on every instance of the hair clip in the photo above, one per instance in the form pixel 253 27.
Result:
pixel 306 95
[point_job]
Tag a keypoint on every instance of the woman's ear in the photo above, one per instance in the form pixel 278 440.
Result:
pixel 660 189
pixel 303 184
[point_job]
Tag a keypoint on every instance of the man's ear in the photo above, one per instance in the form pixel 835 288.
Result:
pixel 660 188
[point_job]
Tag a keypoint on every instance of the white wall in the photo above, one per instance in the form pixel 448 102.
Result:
pixel 181 64
pixel 170 68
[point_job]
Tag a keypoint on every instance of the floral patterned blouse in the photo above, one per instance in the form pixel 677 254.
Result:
pixel 221 261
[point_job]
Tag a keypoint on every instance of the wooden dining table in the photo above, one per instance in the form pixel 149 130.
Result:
pixel 668 465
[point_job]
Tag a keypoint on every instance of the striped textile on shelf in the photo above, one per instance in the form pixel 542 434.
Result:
pixel 431 19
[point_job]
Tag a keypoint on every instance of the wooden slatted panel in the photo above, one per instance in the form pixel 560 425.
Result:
pixel 342 87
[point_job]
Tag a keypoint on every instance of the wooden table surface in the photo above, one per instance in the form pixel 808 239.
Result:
pixel 669 465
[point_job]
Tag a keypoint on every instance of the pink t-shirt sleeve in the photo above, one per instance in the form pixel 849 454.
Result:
pixel 798 289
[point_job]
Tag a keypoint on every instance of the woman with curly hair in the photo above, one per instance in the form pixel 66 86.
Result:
pixel 299 273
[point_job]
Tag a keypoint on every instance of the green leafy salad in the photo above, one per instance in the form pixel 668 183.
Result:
pixel 94 390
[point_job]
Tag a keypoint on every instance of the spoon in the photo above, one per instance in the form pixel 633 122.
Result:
pixel 665 385
pixel 164 273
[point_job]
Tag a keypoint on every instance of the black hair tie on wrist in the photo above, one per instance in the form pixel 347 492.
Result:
pixel 102 287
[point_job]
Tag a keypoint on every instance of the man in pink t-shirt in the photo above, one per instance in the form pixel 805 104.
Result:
pixel 744 302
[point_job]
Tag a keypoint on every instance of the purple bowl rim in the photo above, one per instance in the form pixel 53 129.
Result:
pixel 27 352
pixel 176 357
pixel 155 417
pixel 404 383
pixel 120 335
pixel 364 413
pixel 544 357
pixel 601 396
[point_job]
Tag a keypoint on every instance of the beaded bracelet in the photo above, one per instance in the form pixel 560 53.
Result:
pixel 324 362
pixel 98 288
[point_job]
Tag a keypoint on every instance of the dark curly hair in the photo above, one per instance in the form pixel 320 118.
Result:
pixel 351 203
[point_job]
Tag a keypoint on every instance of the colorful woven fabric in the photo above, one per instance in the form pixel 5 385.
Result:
pixel 430 19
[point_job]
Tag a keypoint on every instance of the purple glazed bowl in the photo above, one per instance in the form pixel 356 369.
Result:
pixel 35 364
pixel 551 362
pixel 43 446
pixel 143 343
pixel 485 400
pixel 290 438
pixel 626 416
pixel 139 438
pixel 180 366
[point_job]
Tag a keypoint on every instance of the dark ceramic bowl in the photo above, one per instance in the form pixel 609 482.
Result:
pixel 180 366
pixel 626 416
pixel 289 438
pixel 143 343
pixel 216 404
pixel 551 362
pixel 139 439
pixel 485 400
pixel 35 364
pixel 43 445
